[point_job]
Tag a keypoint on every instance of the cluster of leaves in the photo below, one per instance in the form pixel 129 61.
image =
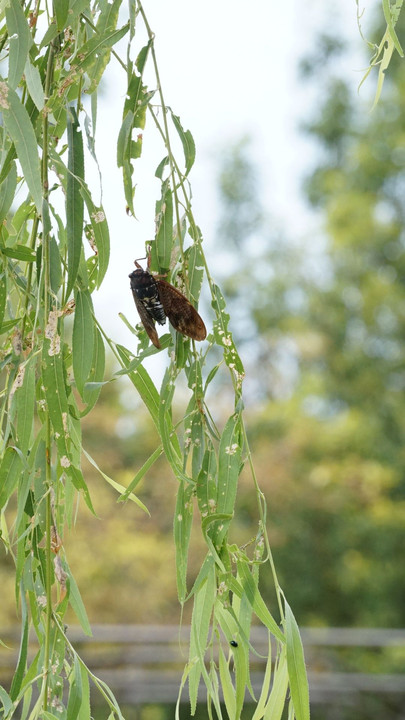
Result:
pixel 50 382
pixel 383 52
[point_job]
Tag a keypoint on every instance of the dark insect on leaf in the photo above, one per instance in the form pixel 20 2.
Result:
pixel 156 300
pixel 233 643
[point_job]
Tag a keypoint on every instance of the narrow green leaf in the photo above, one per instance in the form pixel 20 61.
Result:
pixel 101 235
pixel 7 191
pixel 206 482
pixel 143 383
pixel 248 587
pixel 200 623
pixel 61 8
pixel 227 686
pixel 76 476
pixel 25 403
pixel 34 84
pixel 90 51
pixel 134 116
pixel 297 673
pixel 107 22
pixel 74 199
pixel 195 270
pixel 275 706
pixel 142 57
pixel 182 350
pixel 82 339
pixel 8 325
pixel 93 387
pixel 183 518
pixel 241 663
pixel 391 17
pixel 55 265
pixel 6 702
pixel 124 137
pixel 243 616
pixel 23 652
pixel 229 465
pixel 168 437
pixel 10 470
pixel 50 35
pixel 197 437
pixel 223 337
pixel 77 605
pixel 187 141
pixel 117 486
pixel 84 711
pixel 21 131
pixel 383 65
pixel 55 390
pixel 20 41
pixel 76 7
pixel 20 252
pixel 164 226
pixel 159 170
pixel 75 692
pixel 137 98
pixel 261 705
pixel 141 473
pixel 129 188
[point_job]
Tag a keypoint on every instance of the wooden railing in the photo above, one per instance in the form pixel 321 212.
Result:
pixel 145 662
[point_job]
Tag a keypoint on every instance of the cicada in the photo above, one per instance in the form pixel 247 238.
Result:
pixel 156 300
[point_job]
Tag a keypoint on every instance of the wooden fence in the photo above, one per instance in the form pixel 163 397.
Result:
pixel 144 663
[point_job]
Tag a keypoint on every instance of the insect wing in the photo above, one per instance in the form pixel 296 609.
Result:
pixel 182 315
pixel 146 318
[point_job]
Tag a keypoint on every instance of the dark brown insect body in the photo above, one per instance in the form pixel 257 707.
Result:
pixel 156 299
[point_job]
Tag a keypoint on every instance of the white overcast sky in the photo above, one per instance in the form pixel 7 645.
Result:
pixel 228 68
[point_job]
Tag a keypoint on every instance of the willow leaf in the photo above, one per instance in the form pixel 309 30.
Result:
pixel 20 41
pixel 107 22
pixel 276 703
pixel 227 687
pixel 187 141
pixel 82 339
pixel 18 125
pixel 100 231
pixel 34 84
pixel 143 383
pixel 74 199
pixel 164 226
pixel 296 667
pixel 7 191
pixel 61 8
pixel 95 382
pixel 229 465
pixel 75 692
pixel 25 399
pixel 195 270
pixel 91 50
pixel 182 528
pixel 200 623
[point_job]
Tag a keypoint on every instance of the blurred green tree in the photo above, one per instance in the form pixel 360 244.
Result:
pixel 329 318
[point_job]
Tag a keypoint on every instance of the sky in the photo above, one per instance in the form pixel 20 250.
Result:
pixel 228 69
